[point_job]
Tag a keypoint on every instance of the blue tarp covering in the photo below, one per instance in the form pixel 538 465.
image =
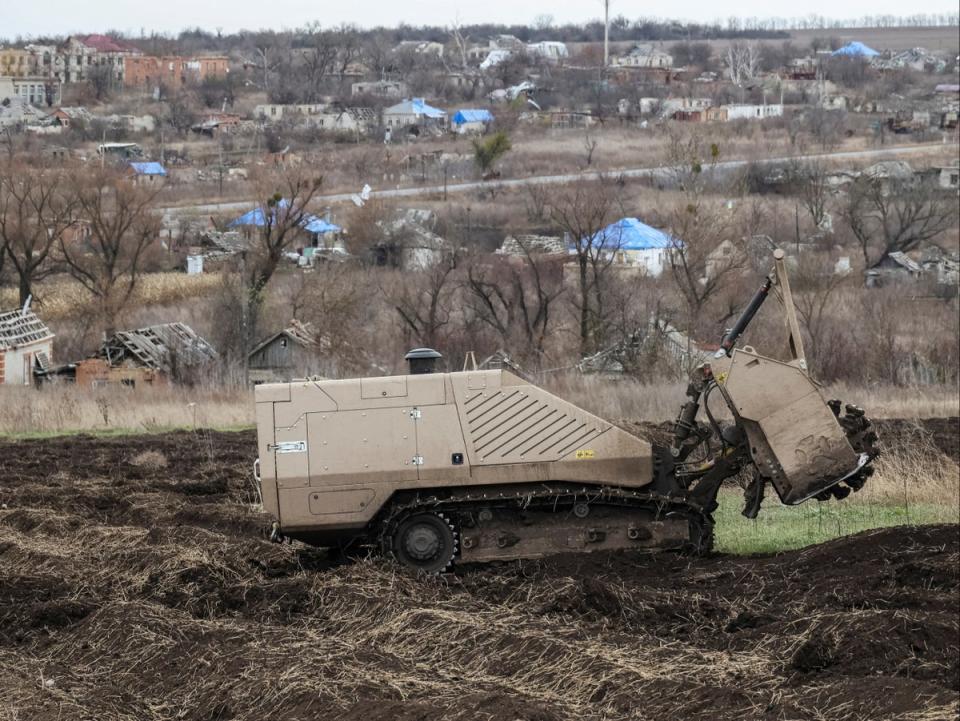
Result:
pixel 472 116
pixel 631 234
pixel 421 108
pixel 417 106
pixel 148 169
pixel 254 217
pixel 319 225
pixel 856 49
pixel 310 223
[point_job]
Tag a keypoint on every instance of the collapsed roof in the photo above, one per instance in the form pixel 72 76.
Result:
pixel 413 228
pixel 21 327
pixel 163 347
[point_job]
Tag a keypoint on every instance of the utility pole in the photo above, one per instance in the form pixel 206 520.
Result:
pixel 606 33
pixel 220 159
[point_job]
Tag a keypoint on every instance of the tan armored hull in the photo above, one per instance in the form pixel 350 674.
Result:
pixel 334 452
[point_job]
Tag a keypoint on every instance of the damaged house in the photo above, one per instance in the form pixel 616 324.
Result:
pixel 408 241
pixel 26 346
pixel 658 346
pixel 896 267
pixel 158 355
pixel 317 236
pixel 290 353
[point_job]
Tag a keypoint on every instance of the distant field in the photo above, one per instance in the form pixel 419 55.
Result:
pixel 938 38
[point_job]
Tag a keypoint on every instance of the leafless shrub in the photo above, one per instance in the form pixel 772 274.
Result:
pixel 149 460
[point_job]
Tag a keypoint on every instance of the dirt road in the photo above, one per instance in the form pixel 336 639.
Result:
pixel 656 174
pixel 134 584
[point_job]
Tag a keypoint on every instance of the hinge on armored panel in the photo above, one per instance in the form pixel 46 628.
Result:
pixel 288 447
pixel 418 460
pixel 416 414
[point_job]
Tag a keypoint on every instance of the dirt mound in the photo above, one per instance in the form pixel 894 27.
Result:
pixel 135 583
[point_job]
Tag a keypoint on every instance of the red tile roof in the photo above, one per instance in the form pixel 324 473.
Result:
pixel 106 44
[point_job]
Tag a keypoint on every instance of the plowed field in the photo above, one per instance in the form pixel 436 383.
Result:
pixel 135 584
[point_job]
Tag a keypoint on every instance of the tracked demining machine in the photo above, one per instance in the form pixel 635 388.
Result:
pixel 436 469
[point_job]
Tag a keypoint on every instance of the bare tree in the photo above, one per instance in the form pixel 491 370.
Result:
pixel 888 217
pixel 743 62
pixel 461 42
pixel 9 144
pixel 121 226
pixel 810 179
pixel 826 126
pixel 687 156
pixel 316 60
pixel 374 52
pixel 180 113
pixel 281 218
pixel 100 80
pixel 35 211
pixel 266 65
pixel 424 301
pixel 589 146
pixel 3 259
pixel 349 48
pixel 583 210
pixel 817 289
pixel 699 266
pixel 331 303
pixel 537 201
pixel 515 297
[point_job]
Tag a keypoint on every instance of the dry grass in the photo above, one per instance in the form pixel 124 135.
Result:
pixel 913 470
pixel 900 402
pixel 66 409
pixel 661 401
pixel 62 298
pixel 619 398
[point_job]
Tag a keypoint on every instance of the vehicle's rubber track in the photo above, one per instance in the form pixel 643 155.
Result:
pixel 454 504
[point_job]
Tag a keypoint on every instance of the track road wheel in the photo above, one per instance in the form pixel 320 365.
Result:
pixel 425 542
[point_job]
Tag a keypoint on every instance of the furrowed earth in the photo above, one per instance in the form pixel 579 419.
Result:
pixel 136 583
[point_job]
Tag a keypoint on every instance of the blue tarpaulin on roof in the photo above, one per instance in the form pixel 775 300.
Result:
pixel 472 116
pixel 632 234
pixel 319 225
pixel 254 217
pixel 856 49
pixel 310 223
pixel 148 169
pixel 421 108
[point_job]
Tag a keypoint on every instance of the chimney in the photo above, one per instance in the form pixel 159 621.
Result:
pixel 422 360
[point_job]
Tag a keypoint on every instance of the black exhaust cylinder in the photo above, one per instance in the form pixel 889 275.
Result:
pixel 732 335
pixel 422 360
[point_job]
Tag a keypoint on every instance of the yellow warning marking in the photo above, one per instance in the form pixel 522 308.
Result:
pixel 585 453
